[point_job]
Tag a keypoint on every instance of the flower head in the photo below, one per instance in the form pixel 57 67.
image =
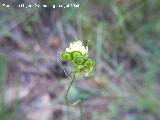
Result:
pixel 77 54
pixel 77 46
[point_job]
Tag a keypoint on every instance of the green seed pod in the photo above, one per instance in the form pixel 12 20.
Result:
pixel 89 63
pixel 76 54
pixel 79 60
pixel 66 56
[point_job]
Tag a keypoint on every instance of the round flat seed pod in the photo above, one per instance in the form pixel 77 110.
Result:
pixel 76 54
pixel 89 63
pixel 79 60
pixel 66 56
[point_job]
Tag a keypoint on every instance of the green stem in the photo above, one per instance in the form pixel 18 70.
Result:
pixel 81 110
pixel 68 88
pixel 71 82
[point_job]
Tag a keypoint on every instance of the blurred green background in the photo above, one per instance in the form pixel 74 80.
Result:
pixel 124 40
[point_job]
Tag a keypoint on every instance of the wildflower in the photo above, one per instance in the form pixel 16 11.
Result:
pixel 78 55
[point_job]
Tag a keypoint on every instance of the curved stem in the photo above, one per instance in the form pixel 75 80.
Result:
pixel 70 84
pixel 68 88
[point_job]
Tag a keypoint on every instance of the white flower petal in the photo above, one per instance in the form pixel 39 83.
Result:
pixel 79 43
pixel 68 50
pixel 77 46
pixel 83 50
pixel 72 45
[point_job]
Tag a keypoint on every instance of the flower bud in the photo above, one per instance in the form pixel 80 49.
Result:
pixel 80 60
pixel 66 56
